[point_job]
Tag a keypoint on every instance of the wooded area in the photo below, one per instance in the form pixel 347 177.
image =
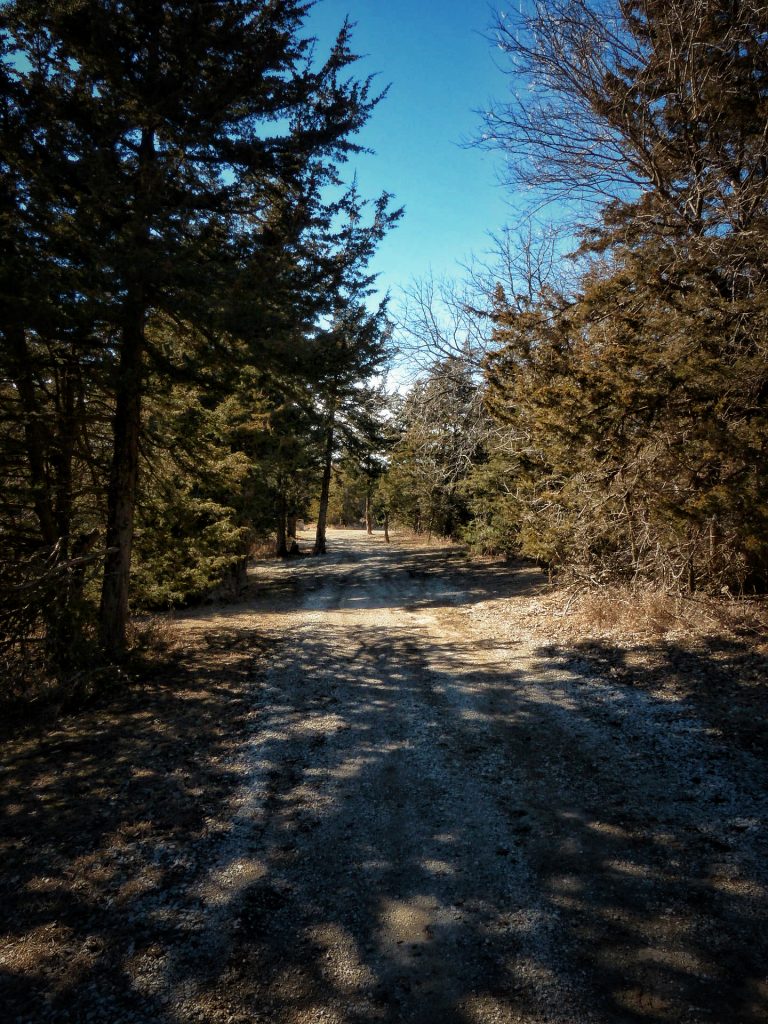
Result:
pixel 604 410
pixel 191 355
pixel 186 326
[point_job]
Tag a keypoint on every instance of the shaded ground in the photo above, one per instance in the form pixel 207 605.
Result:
pixel 356 798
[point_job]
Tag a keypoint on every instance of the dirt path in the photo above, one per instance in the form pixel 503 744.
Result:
pixel 355 802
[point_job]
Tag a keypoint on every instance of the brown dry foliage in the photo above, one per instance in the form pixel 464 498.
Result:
pixel 652 612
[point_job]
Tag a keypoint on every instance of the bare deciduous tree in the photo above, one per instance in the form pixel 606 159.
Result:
pixel 629 100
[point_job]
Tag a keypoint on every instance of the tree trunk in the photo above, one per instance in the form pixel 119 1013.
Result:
pixel 281 538
pixel 368 511
pixel 63 456
pixel 386 527
pixel 293 544
pixel 450 512
pixel 50 453
pixel 64 614
pixel 325 487
pixel 126 427
pixel 123 483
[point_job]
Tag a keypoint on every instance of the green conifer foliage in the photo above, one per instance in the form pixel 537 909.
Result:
pixel 636 405
pixel 171 160
pixel 443 433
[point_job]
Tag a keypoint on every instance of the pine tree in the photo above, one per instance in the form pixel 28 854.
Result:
pixel 353 345
pixel 353 350
pixel 443 431
pixel 162 137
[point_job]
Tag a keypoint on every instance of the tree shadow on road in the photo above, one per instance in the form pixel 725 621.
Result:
pixel 410 833
pixel 375 575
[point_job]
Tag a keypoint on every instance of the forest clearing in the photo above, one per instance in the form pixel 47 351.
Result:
pixel 384 787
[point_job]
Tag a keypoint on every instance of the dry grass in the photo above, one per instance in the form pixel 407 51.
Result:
pixel 628 610
pixel 410 538
pixel 263 549
pixel 639 611
pixel 151 633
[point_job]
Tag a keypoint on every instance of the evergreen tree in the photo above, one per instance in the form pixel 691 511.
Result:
pixel 159 154
pixel 353 351
pixel 638 403
pixel 443 429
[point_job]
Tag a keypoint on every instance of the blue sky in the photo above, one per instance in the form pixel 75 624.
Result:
pixel 440 69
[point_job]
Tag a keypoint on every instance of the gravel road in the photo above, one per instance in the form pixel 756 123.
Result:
pixel 425 820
